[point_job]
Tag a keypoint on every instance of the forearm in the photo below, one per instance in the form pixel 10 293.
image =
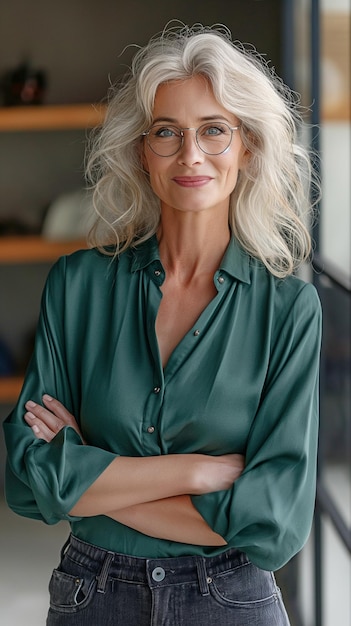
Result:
pixel 173 519
pixel 128 481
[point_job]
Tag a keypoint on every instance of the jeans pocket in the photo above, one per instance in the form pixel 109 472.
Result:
pixel 69 593
pixel 245 586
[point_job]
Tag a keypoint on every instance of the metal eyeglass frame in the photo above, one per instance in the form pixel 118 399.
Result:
pixel 181 132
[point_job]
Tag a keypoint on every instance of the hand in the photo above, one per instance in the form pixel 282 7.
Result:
pixel 46 421
pixel 216 473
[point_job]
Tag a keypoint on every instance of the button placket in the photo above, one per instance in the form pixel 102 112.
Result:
pixel 157 274
pixel 151 428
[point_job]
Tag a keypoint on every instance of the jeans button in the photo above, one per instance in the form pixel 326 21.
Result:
pixel 158 574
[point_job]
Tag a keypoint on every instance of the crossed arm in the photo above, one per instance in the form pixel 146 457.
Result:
pixel 149 494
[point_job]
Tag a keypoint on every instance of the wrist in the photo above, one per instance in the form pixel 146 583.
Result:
pixel 194 479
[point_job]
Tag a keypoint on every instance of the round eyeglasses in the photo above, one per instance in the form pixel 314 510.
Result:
pixel 212 138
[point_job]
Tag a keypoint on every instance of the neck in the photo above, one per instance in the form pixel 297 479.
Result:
pixel 192 244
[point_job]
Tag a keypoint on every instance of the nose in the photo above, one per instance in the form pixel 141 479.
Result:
pixel 190 153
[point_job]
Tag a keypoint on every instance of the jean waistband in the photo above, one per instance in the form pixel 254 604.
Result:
pixel 154 572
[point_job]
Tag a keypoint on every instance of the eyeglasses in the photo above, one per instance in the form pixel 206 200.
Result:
pixel 212 138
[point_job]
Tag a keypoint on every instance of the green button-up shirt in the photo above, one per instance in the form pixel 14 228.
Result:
pixel 242 380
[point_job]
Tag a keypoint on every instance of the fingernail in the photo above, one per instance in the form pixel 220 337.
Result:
pixel 30 404
pixel 30 416
pixel 35 428
pixel 47 397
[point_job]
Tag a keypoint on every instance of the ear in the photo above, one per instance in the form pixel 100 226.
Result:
pixel 245 158
pixel 249 142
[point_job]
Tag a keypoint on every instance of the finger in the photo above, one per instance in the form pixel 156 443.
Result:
pixel 53 428
pixel 54 419
pixel 40 430
pixel 58 409
pixel 43 415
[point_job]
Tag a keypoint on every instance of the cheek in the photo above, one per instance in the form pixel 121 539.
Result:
pixel 159 188
pixel 156 168
pixel 152 164
pixel 232 172
pixel 155 180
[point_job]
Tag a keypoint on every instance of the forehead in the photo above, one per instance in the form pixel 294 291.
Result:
pixel 193 96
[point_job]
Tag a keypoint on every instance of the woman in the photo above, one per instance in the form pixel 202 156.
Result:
pixel 172 395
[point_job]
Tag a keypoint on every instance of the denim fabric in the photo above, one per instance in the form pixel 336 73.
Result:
pixel 94 587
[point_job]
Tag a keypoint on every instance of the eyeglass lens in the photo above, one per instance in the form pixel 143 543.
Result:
pixel 211 138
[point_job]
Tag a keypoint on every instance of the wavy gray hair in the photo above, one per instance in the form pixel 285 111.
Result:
pixel 270 204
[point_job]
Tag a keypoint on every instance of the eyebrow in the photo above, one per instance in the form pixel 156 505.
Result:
pixel 207 118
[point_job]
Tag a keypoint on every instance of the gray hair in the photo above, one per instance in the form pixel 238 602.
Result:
pixel 270 204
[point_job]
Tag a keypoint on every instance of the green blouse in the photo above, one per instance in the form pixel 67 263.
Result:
pixel 243 380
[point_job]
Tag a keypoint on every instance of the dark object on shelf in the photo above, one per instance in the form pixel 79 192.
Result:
pixel 23 86
pixel 13 227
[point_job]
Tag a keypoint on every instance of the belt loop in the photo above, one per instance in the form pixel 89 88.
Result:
pixel 65 547
pixel 102 578
pixel 202 576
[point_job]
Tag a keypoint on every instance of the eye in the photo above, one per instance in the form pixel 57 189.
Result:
pixel 165 131
pixel 214 130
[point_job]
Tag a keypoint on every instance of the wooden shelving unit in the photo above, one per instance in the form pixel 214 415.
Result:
pixel 10 388
pixel 22 250
pixel 51 117
pixel 35 249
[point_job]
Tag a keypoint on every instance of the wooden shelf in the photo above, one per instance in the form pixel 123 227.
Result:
pixel 51 117
pixel 35 249
pixel 10 388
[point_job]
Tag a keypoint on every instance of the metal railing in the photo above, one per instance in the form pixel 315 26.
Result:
pixel 325 504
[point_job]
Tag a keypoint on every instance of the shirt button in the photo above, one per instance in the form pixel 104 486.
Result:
pixel 151 429
pixel 158 574
pixel 157 389
pixel 221 280
pixel 196 332
pixel 157 273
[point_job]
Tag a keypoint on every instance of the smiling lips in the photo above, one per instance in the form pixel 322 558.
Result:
pixel 191 181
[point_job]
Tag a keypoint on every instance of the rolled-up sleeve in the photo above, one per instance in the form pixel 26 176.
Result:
pixel 269 510
pixel 45 480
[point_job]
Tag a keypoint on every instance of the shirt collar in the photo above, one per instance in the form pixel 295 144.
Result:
pixel 144 254
pixel 236 261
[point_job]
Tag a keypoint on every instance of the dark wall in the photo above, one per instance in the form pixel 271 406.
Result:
pixel 79 42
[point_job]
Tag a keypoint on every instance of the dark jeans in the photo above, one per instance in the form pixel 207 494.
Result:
pixel 94 587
